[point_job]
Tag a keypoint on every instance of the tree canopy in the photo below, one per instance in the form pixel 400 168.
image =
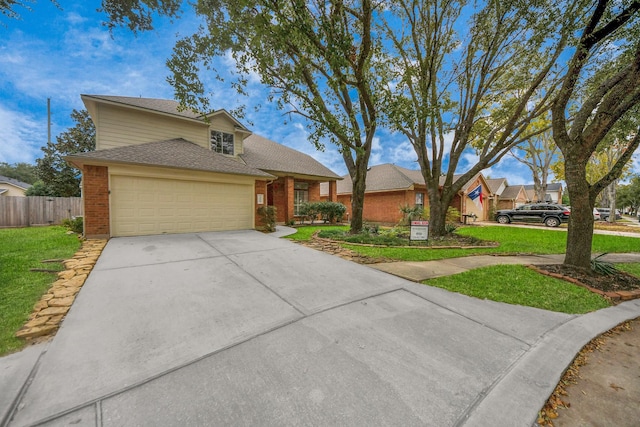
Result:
pixel 59 178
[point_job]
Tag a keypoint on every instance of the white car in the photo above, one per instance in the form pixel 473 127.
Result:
pixel 596 213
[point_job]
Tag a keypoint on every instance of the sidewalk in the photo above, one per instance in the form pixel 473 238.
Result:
pixel 424 270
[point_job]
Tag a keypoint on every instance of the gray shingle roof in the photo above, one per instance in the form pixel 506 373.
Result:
pixel 167 106
pixel 173 153
pixel 267 155
pixel 511 192
pixel 15 182
pixel 495 183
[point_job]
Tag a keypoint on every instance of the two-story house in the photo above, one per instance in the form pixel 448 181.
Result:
pixel 158 169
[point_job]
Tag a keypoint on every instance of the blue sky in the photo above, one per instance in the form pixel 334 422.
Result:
pixel 63 53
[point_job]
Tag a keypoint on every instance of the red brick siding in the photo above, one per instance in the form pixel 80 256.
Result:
pixel 260 188
pixel 95 192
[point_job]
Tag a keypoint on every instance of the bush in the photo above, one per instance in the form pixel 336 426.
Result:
pixel 268 217
pixel 74 224
pixel 410 213
pixel 329 211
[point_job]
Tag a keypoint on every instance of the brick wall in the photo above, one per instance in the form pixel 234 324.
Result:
pixel 95 192
pixel 260 188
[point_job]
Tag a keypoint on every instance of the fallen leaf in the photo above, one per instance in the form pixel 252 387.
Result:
pixel 616 387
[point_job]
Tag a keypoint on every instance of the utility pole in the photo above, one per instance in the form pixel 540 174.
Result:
pixel 48 120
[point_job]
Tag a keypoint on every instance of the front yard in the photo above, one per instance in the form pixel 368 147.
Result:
pixel 514 284
pixel 24 249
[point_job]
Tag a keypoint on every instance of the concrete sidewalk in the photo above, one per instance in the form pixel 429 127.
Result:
pixel 240 328
pixel 424 270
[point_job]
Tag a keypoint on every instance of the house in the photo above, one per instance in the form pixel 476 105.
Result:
pixel 12 187
pixel 553 194
pixel 159 169
pixel 512 197
pixel 390 187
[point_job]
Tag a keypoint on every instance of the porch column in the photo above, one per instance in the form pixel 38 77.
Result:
pixel 333 191
pixel 288 198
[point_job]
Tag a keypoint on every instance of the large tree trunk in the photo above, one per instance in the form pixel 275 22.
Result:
pixel 438 205
pixel 580 234
pixel 358 178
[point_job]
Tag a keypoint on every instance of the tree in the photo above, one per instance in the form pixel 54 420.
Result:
pixel 60 178
pixel 604 74
pixel 469 81
pixel 39 188
pixel 24 172
pixel 629 195
pixel 538 154
pixel 316 57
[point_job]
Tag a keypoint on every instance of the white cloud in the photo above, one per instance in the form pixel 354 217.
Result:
pixel 18 134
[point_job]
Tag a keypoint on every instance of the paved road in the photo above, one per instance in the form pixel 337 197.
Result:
pixel 241 328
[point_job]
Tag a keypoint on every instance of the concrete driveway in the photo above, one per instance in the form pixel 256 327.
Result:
pixel 242 328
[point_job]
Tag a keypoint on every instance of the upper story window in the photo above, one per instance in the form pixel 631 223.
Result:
pixel 222 142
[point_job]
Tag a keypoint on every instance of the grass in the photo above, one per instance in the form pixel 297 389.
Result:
pixel 516 284
pixel 512 240
pixel 523 286
pixel 22 249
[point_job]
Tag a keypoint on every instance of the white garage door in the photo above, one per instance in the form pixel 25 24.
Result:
pixel 143 206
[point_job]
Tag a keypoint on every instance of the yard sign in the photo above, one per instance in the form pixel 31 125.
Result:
pixel 419 230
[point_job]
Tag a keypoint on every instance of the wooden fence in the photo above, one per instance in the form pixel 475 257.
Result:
pixel 37 210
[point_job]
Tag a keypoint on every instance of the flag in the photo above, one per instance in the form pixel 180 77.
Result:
pixel 476 195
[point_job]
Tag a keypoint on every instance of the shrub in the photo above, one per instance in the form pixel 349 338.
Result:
pixel 329 211
pixel 409 213
pixel 74 224
pixel 603 267
pixel 268 217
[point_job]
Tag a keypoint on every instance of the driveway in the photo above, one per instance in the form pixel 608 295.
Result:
pixel 242 328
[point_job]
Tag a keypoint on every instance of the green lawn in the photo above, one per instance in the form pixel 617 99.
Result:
pixel 517 284
pixel 508 283
pixel 22 249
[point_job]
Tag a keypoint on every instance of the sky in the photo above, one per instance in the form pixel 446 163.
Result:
pixel 59 53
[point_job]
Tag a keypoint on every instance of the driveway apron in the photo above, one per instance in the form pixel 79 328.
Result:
pixel 241 328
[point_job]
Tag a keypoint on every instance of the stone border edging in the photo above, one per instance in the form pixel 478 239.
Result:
pixel 49 311
pixel 371 245
pixel 615 296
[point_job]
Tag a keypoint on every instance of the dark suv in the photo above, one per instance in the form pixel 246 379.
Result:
pixel 605 213
pixel 549 214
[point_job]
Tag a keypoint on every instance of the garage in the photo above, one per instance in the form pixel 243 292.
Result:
pixel 142 205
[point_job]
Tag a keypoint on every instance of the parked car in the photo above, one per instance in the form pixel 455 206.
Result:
pixel 605 213
pixel 596 215
pixel 549 214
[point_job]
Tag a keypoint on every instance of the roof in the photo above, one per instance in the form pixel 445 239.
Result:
pixel 495 183
pixel 165 106
pixel 14 182
pixel 511 192
pixel 554 186
pixel 262 153
pixel 389 177
pixel 173 153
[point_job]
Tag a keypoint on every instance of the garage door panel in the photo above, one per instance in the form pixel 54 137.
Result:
pixel 143 205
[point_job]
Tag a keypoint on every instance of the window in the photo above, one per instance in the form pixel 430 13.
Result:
pixel 222 142
pixel 300 196
pixel 420 200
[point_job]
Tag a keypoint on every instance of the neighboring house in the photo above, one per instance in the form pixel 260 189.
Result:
pixel 12 187
pixel 390 187
pixel 512 197
pixel 158 170
pixel 553 194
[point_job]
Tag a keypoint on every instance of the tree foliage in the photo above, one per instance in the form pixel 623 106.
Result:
pixel 600 90
pixel 24 172
pixel 469 79
pixel 539 153
pixel 629 195
pixel 60 178
pixel 316 57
